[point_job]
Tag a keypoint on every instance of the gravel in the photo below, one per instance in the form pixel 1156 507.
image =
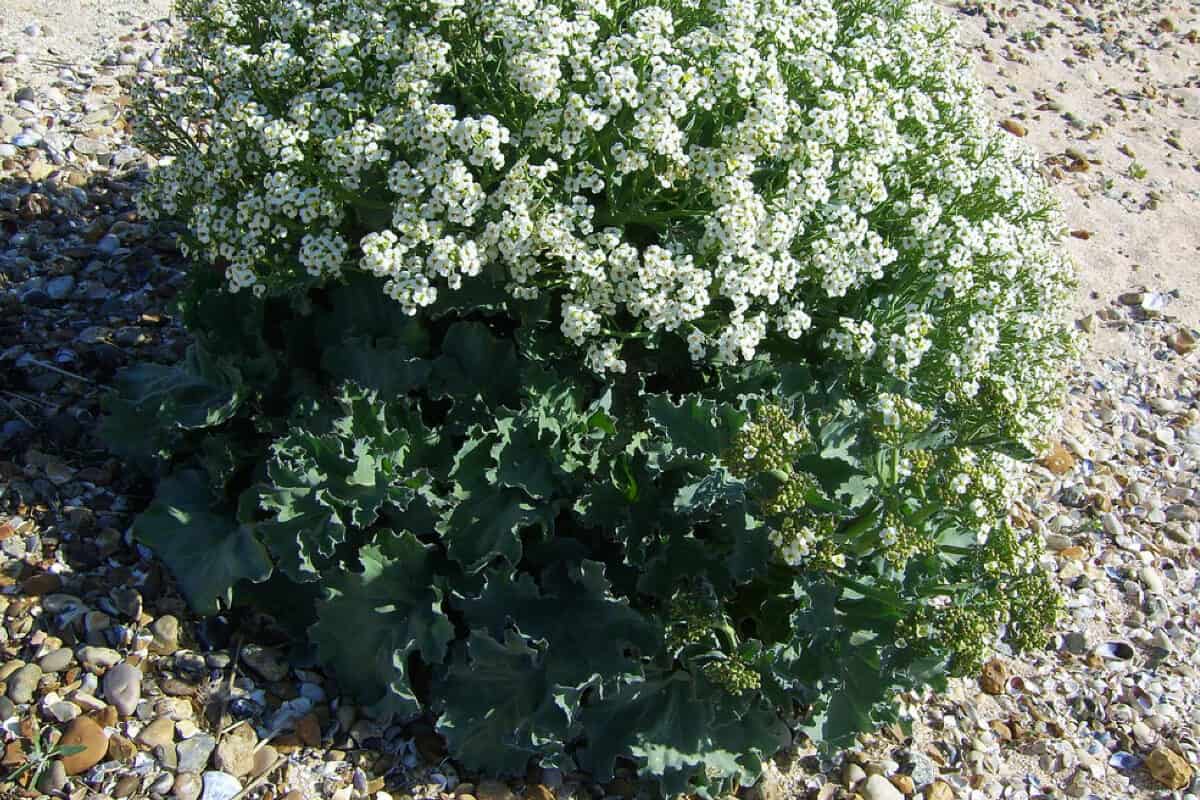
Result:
pixel 97 645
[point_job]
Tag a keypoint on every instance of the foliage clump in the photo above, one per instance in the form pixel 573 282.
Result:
pixel 612 380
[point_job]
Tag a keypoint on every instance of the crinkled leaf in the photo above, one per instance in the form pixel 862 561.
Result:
pixel 474 363
pixel 752 548
pixel 485 524
pixel 385 365
pixel 207 551
pixel 371 621
pixel 856 491
pixel 360 307
pixel 587 631
pixel 672 561
pixel 501 707
pixel 662 721
pixel 837 440
pixel 303 535
pixel 150 400
pixel 696 426
pixel 714 489
pixel 850 687
pixel 526 460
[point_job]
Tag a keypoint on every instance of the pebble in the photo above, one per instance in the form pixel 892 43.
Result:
pixel 61 287
pixel 97 659
pixel 235 751
pixel 159 733
pixel 1169 768
pixel 194 752
pixel 165 631
pixel 993 677
pixel 108 245
pixel 84 732
pixel 121 749
pixel 23 682
pixel 187 786
pixel 877 787
pixel 939 790
pixel 264 661
pixel 220 786
pixel 54 778
pixel 56 660
pixel 123 687
pixel 63 711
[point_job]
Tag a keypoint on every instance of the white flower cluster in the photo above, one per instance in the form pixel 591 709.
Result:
pixel 724 171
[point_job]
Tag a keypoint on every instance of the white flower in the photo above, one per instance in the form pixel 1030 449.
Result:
pixel 807 173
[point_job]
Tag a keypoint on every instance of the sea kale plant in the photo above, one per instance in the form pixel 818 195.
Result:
pixel 644 380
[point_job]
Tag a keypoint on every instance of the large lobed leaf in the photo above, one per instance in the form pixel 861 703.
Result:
pixel 207 551
pixel 371 621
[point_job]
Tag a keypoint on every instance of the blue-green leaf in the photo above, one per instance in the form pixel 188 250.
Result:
pixel 502 708
pixel 207 551
pixel 696 426
pixel 587 631
pixel 371 621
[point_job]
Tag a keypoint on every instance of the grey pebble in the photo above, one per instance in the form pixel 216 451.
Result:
pixel 37 298
pixel 123 688
pixel 56 660
pixel 54 778
pixel 220 786
pixel 7 709
pixel 95 658
pixel 23 683
pixel 195 752
pixel 162 784
pixel 26 139
pixel 61 287
pixel 63 711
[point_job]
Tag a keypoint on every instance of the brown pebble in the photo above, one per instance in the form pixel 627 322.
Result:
pixel 126 786
pixel 1182 341
pixel 993 676
pixel 14 754
pixel 43 584
pixel 1014 127
pixel 1169 768
pixel 308 730
pixel 1059 460
pixel 264 759
pixel 539 791
pixel 939 790
pixel 497 790
pixel 84 732
pixel 120 748
pixel 904 783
